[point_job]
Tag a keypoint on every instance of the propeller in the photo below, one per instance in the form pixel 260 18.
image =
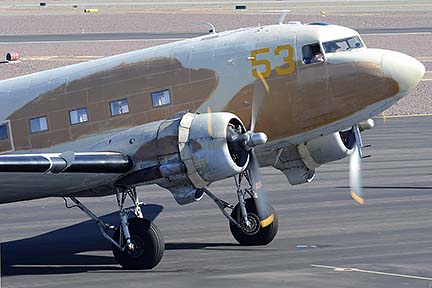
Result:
pixel 265 215
pixel 252 139
pixel 209 125
pixel 355 168
pixel 242 144
pixel 384 116
pixel 260 91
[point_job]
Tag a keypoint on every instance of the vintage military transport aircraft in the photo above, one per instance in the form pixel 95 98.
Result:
pixel 185 114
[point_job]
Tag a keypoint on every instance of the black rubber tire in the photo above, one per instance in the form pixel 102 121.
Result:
pixel 263 236
pixel 145 234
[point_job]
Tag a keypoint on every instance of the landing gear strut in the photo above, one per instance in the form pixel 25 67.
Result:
pixel 136 243
pixel 245 225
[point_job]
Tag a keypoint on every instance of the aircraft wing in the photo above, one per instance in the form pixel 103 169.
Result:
pixel 68 162
pixel 32 176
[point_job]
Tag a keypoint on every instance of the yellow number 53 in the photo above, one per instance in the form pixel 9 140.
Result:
pixel 289 59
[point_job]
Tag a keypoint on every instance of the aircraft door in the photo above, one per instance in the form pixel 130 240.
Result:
pixel 6 140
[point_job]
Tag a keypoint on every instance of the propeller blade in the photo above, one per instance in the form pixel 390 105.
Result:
pixel 355 177
pixel 260 91
pixel 264 213
pixel 209 122
pixel 355 169
pixel 384 116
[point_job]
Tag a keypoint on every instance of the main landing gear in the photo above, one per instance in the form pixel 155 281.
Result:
pixel 136 243
pixel 245 224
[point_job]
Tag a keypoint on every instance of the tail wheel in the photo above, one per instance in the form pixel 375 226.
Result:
pixel 148 244
pixel 253 235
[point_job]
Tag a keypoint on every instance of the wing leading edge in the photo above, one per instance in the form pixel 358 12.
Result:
pixel 68 162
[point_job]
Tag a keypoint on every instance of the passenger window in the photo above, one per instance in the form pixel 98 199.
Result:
pixel 3 132
pixel 78 116
pixel 38 124
pixel 312 54
pixel 119 107
pixel 161 98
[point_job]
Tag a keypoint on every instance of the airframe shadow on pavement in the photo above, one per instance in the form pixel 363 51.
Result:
pixel 64 250
pixel 63 247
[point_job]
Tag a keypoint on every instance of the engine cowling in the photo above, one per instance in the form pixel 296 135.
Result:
pixel 325 149
pixel 187 153
pixel 205 150
pixel 298 163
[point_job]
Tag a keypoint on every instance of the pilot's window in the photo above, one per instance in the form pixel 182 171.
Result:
pixel 38 124
pixel 312 54
pixel 78 116
pixel 119 107
pixel 3 132
pixel 341 45
pixel 161 98
pixel 354 42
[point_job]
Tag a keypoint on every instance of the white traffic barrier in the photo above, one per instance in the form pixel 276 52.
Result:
pixel 12 56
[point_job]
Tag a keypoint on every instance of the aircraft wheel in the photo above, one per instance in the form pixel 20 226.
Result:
pixel 254 235
pixel 148 243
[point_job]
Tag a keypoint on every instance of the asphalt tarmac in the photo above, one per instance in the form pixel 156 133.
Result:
pixel 324 239
pixel 34 38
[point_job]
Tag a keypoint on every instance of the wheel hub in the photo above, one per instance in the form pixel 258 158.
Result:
pixel 137 247
pixel 251 227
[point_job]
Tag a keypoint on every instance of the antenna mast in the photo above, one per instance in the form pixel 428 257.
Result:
pixel 283 16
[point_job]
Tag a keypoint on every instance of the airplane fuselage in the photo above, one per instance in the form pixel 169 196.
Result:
pixel 84 105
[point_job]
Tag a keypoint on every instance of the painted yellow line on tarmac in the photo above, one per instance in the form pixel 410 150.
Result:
pixel 60 58
pixel 343 269
pixel 427 76
pixel 398 33
pixel 424 58
pixel 404 116
pixel 93 41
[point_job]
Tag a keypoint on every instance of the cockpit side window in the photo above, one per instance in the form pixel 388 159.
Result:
pixel 341 45
pixel 312 54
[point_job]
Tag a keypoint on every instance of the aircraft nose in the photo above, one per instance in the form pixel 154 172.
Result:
pixel 405 70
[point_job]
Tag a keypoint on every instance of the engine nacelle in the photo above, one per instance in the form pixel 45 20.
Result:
pixel 204 147
pixel 325 149
pixel 298 163
pixel 187 153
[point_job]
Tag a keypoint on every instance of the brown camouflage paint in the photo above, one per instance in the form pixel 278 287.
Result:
pixel 321 94
pixel 189 88
pixel 316 95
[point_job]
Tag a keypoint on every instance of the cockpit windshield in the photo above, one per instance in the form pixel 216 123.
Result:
pixel 341 45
